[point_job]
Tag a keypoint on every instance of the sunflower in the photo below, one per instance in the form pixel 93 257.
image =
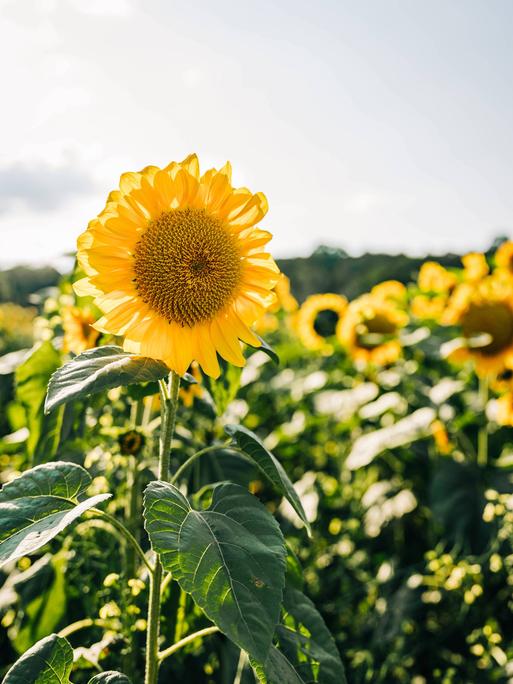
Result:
pixel 389 290
pixel 369 330
pixel 433 277
pixel 176 263
pixel 428 308
pixel 484 314
pixel 317 320
pixel 475 267
pixel 79 333
pixel 504 258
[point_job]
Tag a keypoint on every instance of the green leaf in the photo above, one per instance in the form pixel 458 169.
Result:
pixel 67 480
pixel 269 465
pixel 99 369
pixel 109 678
pixel 267 349
pixel 230 558
pixel 306 650
pixel 47 662
pixel 32 378
pixel 39 504
pixel 42 601
pixel 223 390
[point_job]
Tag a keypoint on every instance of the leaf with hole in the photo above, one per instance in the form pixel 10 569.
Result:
pixel 99 369
pixel 39 504
pixel 230 558
pixel 269 465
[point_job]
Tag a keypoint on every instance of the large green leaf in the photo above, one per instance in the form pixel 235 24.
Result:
pixel 47 662
pixel 99 369
pixel 230 558
pixel 39 504
pixel 32 378
pixel 269 465
pixel 306 652
pixel 109 678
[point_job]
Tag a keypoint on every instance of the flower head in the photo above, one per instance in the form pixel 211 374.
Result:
pixel 317 319
pixel 370 330
pixel 176 263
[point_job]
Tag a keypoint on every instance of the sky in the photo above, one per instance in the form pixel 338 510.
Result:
pixel 380 125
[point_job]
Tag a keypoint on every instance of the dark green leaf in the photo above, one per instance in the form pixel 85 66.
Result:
pixel 39 504
pixel 47 662
pixel 267 349
pixel 230 558
pixel 306 650
pixel 269 465
pixel 109 678
pixel 99 369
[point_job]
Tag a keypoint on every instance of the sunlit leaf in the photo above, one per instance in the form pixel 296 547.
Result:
pixel 32 378
pixel 306 652
pixel 269 465
pixel 47 662
pixel 39 504
pixel 230 558
pixel 99 369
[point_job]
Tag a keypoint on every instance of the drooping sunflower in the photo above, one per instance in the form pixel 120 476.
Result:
pixel 79 333
pixel 370 330
pixel 317 320
pixel 484 314
pixel 177 265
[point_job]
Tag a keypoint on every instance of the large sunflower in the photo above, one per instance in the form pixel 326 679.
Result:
pixel 484 315
pixel 177 266
pixel 370 330
pixel 317 319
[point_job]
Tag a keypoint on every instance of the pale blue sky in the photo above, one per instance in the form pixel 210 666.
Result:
pixel 370 125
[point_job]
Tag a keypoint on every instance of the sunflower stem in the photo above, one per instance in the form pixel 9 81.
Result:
pixel 482 437
pixel 168 405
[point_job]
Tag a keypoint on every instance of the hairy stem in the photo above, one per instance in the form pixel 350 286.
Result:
pixel 186 640
pixel 169 402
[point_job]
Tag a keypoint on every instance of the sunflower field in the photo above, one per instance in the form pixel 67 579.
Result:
pixel 206 480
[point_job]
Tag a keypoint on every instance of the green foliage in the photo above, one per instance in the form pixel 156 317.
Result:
pixel 268 465
pixel 39 504
pixel 230 558
pixel 32 378
pixel 99 369
pixel 47 662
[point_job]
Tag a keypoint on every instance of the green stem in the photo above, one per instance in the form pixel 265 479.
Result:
pixel 186 640
pixel 169 403
pixel 240 667
pixel 123 530
pixel 82 624
pixel 186 464
pixel 482 437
